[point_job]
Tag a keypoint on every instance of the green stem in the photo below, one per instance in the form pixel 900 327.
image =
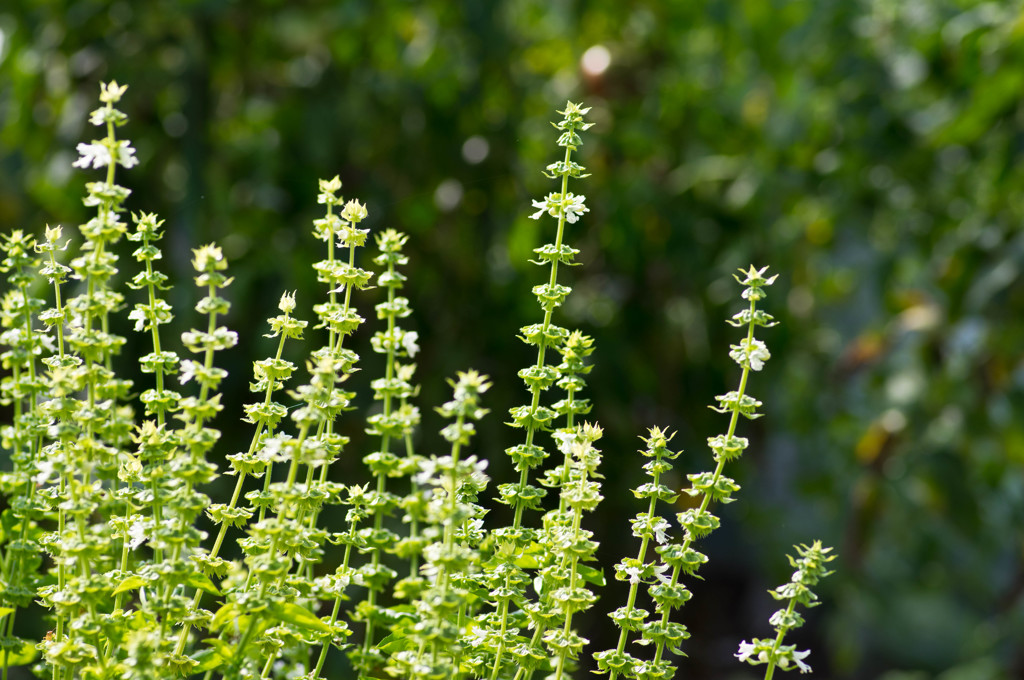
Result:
pixel 534 404
pixel 778 642
pixel 733 421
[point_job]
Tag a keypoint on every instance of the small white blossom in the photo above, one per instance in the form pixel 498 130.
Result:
pixel 574 207
pixel 354 211
pixel 428 469
pixel 45 468
pixel 136 532
pixel 753 353
pixel 98 155
pixel 746 649
pixel 758 353
pixel 799 657
pixel 564 441
pixel 287 303
pixel 476 636
pixel 553 204
pixel 659 530
pixel 139 317
pixel 633 573
pixel 477 478
pixel 409 343
pixel 659 573
pixel 188 370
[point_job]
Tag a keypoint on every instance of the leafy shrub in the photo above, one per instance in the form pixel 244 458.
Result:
pixel 107 507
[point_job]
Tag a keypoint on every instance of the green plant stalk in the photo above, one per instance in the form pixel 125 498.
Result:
pixel 293 469
pixel 85 568
pixel 448 536
pixel 97 245
pixel 233 503
pixel 567 627
pixel 61 570
pixel 336 608
pixel 333 299
pixel 414 528
pixel 634 587
pixel 385 447
pixel 770 670
pixel 197 423
pixel 159 379
pixel 733 421
pixel 517 520
pixel 540 629
pixel 8 567
pixel 335 348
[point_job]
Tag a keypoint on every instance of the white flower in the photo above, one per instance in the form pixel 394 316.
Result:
pixel 476 636
pixel 555 205
pixel 136 532
pixel 753 353
pixel 746 649
pixel 428 468
pixel 45 468
pixel 541 206
pixel 757 354
pixel 633 573
pixel 477 478
pixel 565 441
pixel 799 657
pixel 98 155
pixel 659 530
pixel 409 341
pixel 659 573
pixel 139 317
pixel 756 652
pixel 573 207
pixel 188 370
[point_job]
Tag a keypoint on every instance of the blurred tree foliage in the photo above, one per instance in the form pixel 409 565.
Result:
pixel 868 150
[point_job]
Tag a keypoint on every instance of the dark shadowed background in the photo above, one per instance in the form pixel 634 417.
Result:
pixel 867 150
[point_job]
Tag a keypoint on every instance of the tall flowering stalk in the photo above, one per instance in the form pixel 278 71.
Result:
pixel 810 568
pixel 565 581
pixel 551 558
pixel 435 642
pixel 177 535
pixel 681 558
pixel 19 553
pixel 534 417
pixel 87 400
pixel 648 526
pixel 575 352
pixel 269 376
pixel 153 436
pixel 392 424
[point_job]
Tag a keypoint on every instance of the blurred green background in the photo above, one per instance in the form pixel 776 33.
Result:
pixel 867 150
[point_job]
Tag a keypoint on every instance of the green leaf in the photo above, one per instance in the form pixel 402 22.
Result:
pixel 130 583
pixel 300 616
pixel 201 581
pixel 591 575
pixel 225 614
pixel 24 656
pixel 212 659
pixel 4 611
pixel 394 643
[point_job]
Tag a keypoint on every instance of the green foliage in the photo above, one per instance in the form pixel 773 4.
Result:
pixel 867 149
pixel 107 503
